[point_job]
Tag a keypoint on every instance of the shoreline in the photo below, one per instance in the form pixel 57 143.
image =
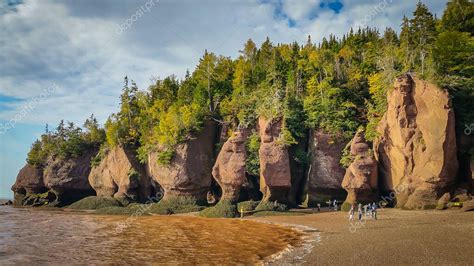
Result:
pixel 397 237
pixel 409 237
pixel 292 254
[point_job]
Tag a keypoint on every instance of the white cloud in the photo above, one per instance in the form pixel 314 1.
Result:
pixel 75 45
pixel 297 9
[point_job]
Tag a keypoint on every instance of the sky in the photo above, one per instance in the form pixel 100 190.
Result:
pixel 67 59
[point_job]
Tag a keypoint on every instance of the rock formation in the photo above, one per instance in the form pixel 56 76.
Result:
pixel 28 181
pixel 68 178
pixel 360 180
pixel 275 175
pixel 189 172
pixel 58 182
pixel 416 149
pixel 229 169
pixel 325 174
pixel 119 175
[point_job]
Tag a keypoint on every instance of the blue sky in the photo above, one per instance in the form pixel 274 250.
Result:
pixel 67 59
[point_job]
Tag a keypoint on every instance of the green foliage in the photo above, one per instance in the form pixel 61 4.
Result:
pixel 97 159
pixel 330 110
pixel 458 16
pixel 453 52
pixel 165 157
pixel 133 175
pixel 247 205
pixel 176 205
pixel 346 158
pixel 277 213
pixel 252 163
pixel 286 138
pixel 68 141
pixel 94 203
pixel 302 157
pixel 346 206
pixel 223 209
pixel 271 206
pixel 379 84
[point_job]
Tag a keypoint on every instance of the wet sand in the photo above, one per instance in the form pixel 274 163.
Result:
pixel 38 236
pixel 397 237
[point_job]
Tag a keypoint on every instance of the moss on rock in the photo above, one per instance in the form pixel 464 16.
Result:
pixel 271 206
pixel 223 209
pixel 346 206
pixel 247 206
pixel 95 203
pixel 176 205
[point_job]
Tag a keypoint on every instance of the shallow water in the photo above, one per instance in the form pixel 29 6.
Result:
pixel 39 236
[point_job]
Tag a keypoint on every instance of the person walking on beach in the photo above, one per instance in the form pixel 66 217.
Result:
pixel 374 211
pixel 319 207
pixel 335 205
pixel 351 213
pixel 359 211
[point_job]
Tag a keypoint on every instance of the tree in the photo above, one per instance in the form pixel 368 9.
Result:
pixel 94 134
pixel 423 33
pixel 458 16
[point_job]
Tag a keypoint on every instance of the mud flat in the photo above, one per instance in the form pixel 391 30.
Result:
pixel 397 237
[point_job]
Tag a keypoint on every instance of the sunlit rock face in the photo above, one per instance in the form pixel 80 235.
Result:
pixel 416 149
pixel 190 171
pixel 229 169
pixel 325 174
pixel 360 180
pixel 120 175
pixel 275 174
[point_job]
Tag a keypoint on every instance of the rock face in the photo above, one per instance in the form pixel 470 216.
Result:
pixel 69 178
pixel 189 172
pixel 229 169
pixel 29 180
pixel 119 175
pixel 64 180
pixel 416 149
pixel 360 180
pixel 326 173
pixel 275 174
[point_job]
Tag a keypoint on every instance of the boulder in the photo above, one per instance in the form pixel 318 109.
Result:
pixel 275 174
pixel 461 195
pixel 325 174
pixel 443 201
pixel 360 180
pixel 468 206
pixel 189 172
pixel 416 147
pixel 229 169
pixel 68 178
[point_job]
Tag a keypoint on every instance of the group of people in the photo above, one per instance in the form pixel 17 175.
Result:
pixel 370 210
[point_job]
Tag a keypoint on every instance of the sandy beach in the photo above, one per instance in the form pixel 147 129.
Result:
pixel 397 237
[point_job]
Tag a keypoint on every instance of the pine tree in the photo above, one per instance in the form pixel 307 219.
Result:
pixel 458 16
pixel 423 31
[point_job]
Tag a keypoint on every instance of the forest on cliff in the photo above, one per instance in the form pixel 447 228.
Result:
pixel 336 86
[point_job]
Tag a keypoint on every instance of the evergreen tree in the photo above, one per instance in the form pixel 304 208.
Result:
pixel 423 34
